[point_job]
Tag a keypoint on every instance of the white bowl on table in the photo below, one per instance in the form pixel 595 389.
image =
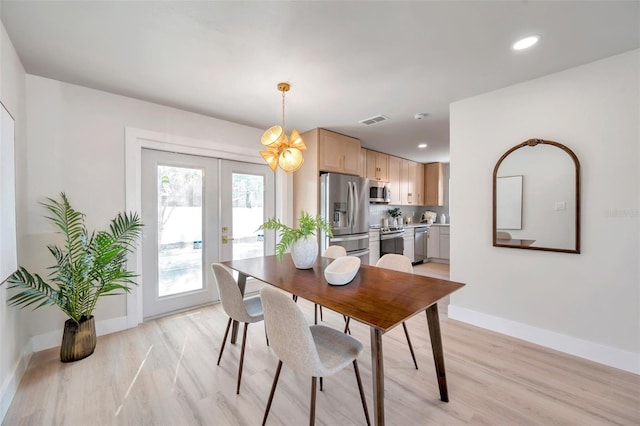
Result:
pixel 342 270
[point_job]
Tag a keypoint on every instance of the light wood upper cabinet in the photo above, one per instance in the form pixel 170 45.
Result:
pixel 394 179
pixel 338 153
pixel 363 163
pixel 377 166
pixel 418 179
pixel 434 184
pixel 411 186
pixel 326 151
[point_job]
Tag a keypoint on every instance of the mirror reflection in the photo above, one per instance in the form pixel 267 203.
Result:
pixel 536 198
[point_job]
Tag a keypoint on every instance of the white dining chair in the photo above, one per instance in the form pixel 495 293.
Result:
pixel 503 235
pixel 400 263
pixel 237 307
pixel 334 252
pixel 317 350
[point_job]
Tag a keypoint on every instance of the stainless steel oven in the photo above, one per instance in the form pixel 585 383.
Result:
pixel 391 241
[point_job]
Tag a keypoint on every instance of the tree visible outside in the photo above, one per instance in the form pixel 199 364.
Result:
pixel 180 243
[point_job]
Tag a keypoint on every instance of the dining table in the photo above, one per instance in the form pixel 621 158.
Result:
pixel 380 298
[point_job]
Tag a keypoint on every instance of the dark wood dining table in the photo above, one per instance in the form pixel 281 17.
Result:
pixel 380 298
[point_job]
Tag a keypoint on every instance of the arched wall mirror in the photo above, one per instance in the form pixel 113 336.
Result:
pixel 536 198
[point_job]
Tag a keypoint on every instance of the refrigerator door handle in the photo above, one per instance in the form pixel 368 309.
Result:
pixel 356 199
pixel 349 204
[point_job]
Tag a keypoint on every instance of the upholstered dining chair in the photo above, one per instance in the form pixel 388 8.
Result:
pixel 503 235
pixel 334 252
pixel 400 263
pixel 239 309
pixel 317 350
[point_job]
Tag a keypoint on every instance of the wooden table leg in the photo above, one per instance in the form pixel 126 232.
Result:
pixel 378 376
pixel 242 282
pixel 436 346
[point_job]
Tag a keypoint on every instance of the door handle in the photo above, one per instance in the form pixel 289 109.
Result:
pixel 225 239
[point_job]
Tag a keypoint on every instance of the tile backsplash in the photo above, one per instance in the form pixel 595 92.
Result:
pixel 377 212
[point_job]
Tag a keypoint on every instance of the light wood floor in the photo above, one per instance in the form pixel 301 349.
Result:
pixel 164 373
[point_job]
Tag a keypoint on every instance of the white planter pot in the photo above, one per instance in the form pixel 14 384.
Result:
pixel 304 252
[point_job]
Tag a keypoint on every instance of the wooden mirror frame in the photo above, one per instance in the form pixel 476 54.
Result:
pixel 532 143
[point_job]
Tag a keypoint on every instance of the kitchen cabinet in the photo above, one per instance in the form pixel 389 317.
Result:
pixel 394 179
pixel 433 243
pixel 438 243
pixel 419 183
pixel 326 151
pixel 363 163
pixel 337 153
pixel 434 184
pixel 411 186
pixel 408 236
pixel 374 246
pixel 377 166
pixel 444 242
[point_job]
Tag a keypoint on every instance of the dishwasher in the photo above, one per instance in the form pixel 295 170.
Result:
pixel 420 243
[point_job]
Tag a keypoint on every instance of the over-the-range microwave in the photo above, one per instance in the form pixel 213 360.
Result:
pixel 379 193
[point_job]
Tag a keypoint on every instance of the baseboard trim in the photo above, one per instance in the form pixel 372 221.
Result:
pixel 54 338
pixel 10 385
pixel 613 357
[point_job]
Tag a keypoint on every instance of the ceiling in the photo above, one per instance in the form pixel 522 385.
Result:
pixel 345 61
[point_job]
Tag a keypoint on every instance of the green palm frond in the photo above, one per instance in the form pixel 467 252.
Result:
pixel 308 225
pixel 87 267
pixel 34 290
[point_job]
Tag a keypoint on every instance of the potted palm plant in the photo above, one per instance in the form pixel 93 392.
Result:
pixel 302 240
pixel 88 266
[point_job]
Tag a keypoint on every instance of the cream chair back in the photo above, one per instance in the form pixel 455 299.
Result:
pixel 289 334
pixel 396 262
pixel 230 296
pixel 334 252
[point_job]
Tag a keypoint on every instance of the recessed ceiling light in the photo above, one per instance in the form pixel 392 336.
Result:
pixel 526 42
pixel 422 145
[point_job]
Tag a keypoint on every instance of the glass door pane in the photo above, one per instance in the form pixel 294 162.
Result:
pixel 179 229
pixel 248 210
pixel 180 204
pixel 247 194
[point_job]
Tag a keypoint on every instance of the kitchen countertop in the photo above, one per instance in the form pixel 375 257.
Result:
pixel 410 226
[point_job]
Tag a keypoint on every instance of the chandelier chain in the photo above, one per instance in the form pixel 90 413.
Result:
pixel 283 129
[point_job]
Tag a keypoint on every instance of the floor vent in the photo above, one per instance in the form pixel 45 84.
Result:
pixel 373 120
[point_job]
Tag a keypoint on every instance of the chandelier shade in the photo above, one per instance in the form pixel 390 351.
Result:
pixel 271 157
pixel 282 151
pixel 274 134
pixel 290 160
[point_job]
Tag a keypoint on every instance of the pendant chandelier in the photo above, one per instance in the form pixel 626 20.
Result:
pixel 283 151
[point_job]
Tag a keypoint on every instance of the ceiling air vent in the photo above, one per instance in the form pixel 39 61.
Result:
pixel 373 120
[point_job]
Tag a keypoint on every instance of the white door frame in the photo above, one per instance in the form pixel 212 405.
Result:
pixel 136 140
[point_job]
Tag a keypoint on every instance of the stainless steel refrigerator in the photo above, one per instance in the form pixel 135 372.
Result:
pixel 344 202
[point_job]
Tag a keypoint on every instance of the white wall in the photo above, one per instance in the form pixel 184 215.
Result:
pixel 76 144
pixel 13 337
pixel 587 304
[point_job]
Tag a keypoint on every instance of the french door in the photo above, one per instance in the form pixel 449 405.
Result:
pixel 246 205
pixel 197 210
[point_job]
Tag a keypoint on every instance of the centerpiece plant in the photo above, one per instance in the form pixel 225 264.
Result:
pixel 89 265
pixel 395 213
pixel 302 239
